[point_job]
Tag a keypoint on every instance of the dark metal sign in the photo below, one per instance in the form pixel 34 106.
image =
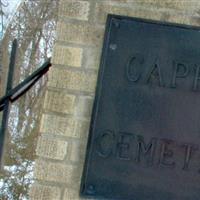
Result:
pixel 144 140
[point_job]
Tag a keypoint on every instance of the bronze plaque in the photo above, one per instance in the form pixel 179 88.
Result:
pixel 144 141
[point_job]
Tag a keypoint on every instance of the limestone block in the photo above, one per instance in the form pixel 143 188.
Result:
pixel 84 106
pixel 51 148
pixel 104 8
pixel 75 9
pixel 69 127
pixel 68 56
pixel 72 80
pixel 59 102
pixel 56 172
pixel 41 192
pixel 80 33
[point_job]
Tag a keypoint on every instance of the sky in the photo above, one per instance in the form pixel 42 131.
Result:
pixel 10 10
pixel 11 4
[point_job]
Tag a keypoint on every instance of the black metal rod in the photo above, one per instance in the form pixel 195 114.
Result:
pixel 25 85
pixel 7 102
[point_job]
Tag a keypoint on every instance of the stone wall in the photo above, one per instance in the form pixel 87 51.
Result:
pixel 71 86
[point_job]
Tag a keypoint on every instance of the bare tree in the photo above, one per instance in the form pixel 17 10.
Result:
pixel 3 15
pixel 34 27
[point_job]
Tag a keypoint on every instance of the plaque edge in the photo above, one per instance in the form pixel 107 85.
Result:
pixel 104 52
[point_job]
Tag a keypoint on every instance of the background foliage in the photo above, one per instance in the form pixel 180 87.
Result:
pixel 33 25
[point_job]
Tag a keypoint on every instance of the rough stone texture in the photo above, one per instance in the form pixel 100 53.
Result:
pixel 56 172
pixel 41 192
pixel 77 151
pixel 69 56
pixel 183 5
pixel 59 102
pixel 71 194
pixel 84 106
pixel 103 8
pixel 64 126
pixel 72 80
pixel 51 148
pixel 75 9
pixel 87 34
pixel 91 58
pixel 71 86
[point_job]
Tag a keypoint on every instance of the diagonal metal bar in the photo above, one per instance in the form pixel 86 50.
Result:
pixel 25 85
pixel 12 94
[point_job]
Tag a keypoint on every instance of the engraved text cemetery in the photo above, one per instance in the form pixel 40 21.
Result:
pixel 154 152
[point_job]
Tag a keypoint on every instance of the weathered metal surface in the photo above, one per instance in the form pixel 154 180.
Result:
pixel 144 140
pixel 4 120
